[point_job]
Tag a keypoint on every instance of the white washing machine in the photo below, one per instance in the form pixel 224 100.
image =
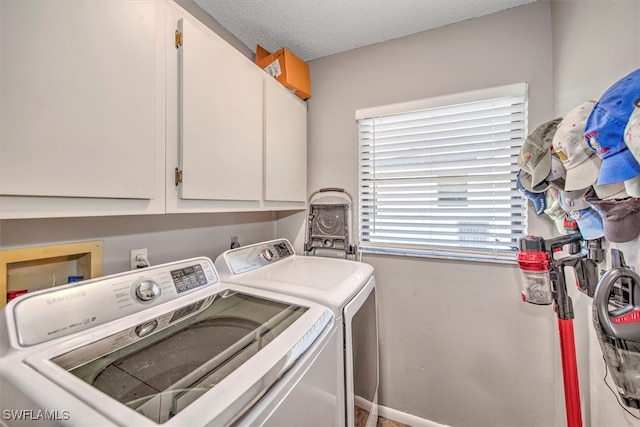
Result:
pixel 169 345
pixel 347 287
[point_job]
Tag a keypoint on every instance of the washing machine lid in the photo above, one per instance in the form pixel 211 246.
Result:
pixel 274 266
pixel 204 358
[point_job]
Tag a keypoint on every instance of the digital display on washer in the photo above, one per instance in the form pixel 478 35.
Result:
pixel 188 278
pixel 282 249
pixel 160 374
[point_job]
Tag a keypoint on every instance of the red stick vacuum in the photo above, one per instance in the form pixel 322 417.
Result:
pixel 544 283
pixel 570 373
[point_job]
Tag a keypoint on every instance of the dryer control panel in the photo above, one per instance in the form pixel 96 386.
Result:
pixel 249 258
pixel 58 312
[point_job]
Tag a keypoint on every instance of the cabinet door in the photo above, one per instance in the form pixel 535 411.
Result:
pixel 220 119
pixel 79 104
pixel 285 144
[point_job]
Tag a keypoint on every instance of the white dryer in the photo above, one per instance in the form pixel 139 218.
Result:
pixel 169 345
pixel 346 287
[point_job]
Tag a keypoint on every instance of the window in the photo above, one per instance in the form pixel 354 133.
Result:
pixel 437 176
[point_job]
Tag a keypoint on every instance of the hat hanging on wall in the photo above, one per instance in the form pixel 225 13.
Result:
pixel 554 211
pixel 535 156
pixel 589 222
pixel 632 130
pixel 611 191
pixel 621 218
pixel 632 140
pixel 581 163
pixel 538 199
pixel 527 183
pixel 557 173
pixel 573 200
pixel 554 178
pixel 605 129
pixel 632 186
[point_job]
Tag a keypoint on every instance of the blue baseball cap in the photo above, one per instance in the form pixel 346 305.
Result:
pixel 605 129
pixel 538 199
pixel 589 223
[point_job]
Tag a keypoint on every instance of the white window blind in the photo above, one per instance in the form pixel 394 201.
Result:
pixel 437 177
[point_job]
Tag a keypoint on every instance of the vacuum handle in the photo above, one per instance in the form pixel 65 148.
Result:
pixel 623 323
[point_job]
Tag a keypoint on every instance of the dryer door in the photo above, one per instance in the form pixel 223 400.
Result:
pixel 361 357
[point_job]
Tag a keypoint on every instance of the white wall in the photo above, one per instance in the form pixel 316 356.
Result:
pixel 166 237
pixel 595 43
pixel 199 13
pixel 458 346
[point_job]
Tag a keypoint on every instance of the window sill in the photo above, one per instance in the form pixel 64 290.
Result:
pixel 495 258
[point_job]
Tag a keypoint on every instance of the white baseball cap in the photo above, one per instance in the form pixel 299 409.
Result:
pixel 573 200
pixel 581 163
pixel 632 131
pixel 632 186
pixel 611 191
pixel 535 155
pixel 632 140
pixel 554 211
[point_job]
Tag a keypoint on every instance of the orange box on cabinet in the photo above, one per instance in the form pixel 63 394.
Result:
pixel 287 68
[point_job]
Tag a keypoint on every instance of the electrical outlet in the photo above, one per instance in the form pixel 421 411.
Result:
pixel 133 262
pixel 233 242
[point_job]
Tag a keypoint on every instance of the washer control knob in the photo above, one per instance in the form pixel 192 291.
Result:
pixel 146 328
pixel 267 254
pixel 147 290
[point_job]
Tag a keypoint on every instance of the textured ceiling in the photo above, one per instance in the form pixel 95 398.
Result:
pixel 316 28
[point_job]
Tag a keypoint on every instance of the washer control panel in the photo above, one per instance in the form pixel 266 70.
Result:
pixel 60 311
pixel 249 258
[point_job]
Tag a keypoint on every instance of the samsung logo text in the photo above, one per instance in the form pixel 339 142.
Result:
pixel 65 298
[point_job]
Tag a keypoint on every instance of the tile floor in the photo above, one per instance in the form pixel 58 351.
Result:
pixel 361 420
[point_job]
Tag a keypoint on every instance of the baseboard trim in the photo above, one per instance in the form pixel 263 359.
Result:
pixel 404 418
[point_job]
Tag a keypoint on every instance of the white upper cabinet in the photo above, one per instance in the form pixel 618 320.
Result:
pixel 105 111
pixel 237 145
pixel 220 98
pixel 285 144
pixel 82 107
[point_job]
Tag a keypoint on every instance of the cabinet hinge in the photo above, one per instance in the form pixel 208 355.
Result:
pixel 178 39
pixel 178 177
